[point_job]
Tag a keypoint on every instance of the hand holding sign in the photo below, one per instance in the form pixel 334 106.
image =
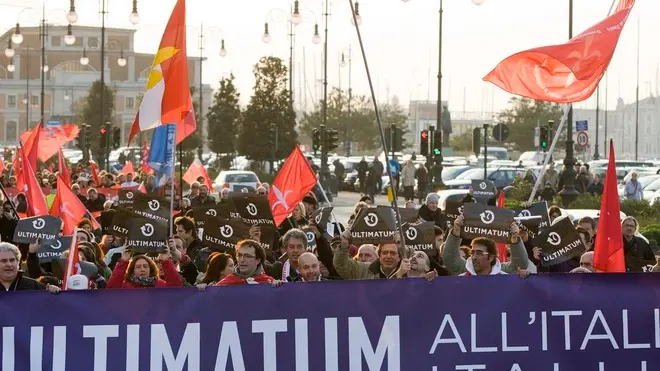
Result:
pixel 458 224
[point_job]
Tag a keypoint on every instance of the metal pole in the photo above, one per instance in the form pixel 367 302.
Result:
pixel 350 98
pixel 637 99
pixel 596 154
pixel 485 151
pixel 291 30
pixel 437 173
pixel 606 114
pixel 324 152
pixel 43 60
pixel 28 98
pixel 568 194
pixel 106 148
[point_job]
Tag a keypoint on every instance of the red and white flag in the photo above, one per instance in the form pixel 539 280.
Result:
pixel 72 261
pixel 36 200
pixel 195 171
pixel 61 164
pixel 68 207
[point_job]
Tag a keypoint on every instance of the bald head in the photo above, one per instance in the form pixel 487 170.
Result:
pixel 309 267
pixel 587 260
pixel 367 253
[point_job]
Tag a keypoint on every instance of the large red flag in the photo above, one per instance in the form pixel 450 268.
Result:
pixel 167 98
pixel 196 170
pixel 294 180
pixel 51 139
pixel 36 201
pixel 61 164
pixel 145 160
pixel 31 146
pixel 95 173
pixel 128 168
pixel 564 73
pixel 608 254
pixel 68 207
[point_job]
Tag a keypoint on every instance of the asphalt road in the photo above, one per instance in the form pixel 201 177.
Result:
pixel 345 202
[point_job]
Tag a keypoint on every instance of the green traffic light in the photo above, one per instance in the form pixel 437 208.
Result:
pixel 436 151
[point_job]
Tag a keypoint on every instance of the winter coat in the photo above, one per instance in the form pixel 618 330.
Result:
pixel 172 277
pixel 258 277
pixel 457 265
pixel 408 176
pixel 22 283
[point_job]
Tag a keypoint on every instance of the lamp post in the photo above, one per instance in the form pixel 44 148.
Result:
pixel 69 39
pixel 342 63
pixel 437 168
pixel 294 18
pixel 134 18
pixel 569 193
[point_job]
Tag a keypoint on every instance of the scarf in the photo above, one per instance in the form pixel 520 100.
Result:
pixel 257 272
pixel 143 281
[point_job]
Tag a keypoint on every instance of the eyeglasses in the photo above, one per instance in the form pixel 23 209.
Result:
pixel 629 225
pixel 10 261
pixel 480 253
pixel 245 256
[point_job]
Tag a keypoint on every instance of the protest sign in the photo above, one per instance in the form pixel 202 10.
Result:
pixel 486 221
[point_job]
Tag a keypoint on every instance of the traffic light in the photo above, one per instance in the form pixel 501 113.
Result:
pixel 103 138
pixel 437 143
pixel 80 139
pixel 397 139
pixel 332 140
pixel 316 140
pixel 88 134
pixel 424 143
pixel 476 141
pixel 116 138
pixel 543 137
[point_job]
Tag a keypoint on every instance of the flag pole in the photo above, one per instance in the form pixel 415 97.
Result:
pixel 6 196
pixel 326 200
pixel 172 195
pixel 567 109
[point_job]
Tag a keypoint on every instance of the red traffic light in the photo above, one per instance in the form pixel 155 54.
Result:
pixel 103 131
pixel 425 134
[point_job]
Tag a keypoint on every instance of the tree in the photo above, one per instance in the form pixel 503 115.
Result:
pixel 269 105
pixel 393 114
pixel 224 117
pixel 361 123
pixel 91 115
pixel 524 116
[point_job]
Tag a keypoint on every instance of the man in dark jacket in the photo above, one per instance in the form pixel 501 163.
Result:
pixel 8 221
pixel 638 253
pixel 431 212
pixel 11 279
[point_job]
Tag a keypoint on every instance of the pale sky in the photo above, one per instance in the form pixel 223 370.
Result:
pixel 401 42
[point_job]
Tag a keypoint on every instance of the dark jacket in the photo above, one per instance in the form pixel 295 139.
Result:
pixel 194 247
pixel 638 254
pixel 7 228
pixel 596 189
pixel 275 270
pixel 433 216
pixel 22 283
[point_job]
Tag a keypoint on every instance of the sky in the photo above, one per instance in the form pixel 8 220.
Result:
pixel 400 42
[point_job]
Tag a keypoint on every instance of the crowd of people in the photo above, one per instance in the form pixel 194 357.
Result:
pixel 188 261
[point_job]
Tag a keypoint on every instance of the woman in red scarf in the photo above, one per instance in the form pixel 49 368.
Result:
pixel 142 272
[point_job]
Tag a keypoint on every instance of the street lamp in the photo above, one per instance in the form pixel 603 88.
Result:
pixel 11 67
pixel 17 37
pixel 69 39
pixel 45 67
pixel 84 60
pixel 317 38
pixel 72 16
pixel 478 2
pixel 223 51
pixel 9 52
pixel 134 18
pixel 342 63
pixel 266 37
pixel 121 61
pixel 357 14
pixel 296 18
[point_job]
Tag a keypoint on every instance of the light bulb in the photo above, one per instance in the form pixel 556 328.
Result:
pixel 359 20
pixel 11 67
pixel 46 68
pixel 9 52
pixel 66 97
pixel 134 18
pixel 72 16
pixel 17 37
pixel 296 18
pixel 84 61
pixel 121 61
pixel 69 40
pixel 266 38
pixel 223 52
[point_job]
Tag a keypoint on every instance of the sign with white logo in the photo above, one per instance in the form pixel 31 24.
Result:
pixel 483 190
pixel 44 228
pixel 126 197
pixel 420 236
pixel 581 125
pixel 582 139
pixel 52 250
pixel 486 221
pixel 203 213
pixel 121 222
pixel 322 216
pixel 223 234
pixel 243 189
pixel 151 207
pixel 374 225
pixel 253 208
pixel 146 235
pixel 311 239
pixel 453 208
pixel 559 243
pixel 533 226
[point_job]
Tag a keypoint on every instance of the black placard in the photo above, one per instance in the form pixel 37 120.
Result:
pixel 311 238
pixel 152 207
pixel 53 249
pixel 322 216
pixel 222 210
pixel 483 190
pixel 409 215
pixel 146 235
pixel 533 226
pixel 127 197
pixel 44 228
pixel 373 225
pixel 486 221
pixel 223 234
pixel 121 222
pixel 421 237
pixel 253 209
pixel 453 208
pixel 559 242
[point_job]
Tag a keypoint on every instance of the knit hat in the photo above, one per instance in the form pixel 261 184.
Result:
pixel 310 199
pixel 432 197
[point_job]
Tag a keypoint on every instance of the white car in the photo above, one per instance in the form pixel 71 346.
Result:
pixel 237 181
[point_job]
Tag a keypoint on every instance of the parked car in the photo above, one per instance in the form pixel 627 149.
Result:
pixel 236 180
pixel 502 177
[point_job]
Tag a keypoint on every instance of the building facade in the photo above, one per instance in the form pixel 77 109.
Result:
pixel 620 125
pixel 67 81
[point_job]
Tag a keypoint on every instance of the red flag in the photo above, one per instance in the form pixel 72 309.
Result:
pixel 18 171
pixel 142 188
pixel 501 247
pixel 72 261
pixel 68 207
pixel 61 164
pixel 95 172
pixel 167 98
pixel 31 146
pixel 36 201
pixel 2 165
pixel 564 73
pixel 608 249
pixel 196 170
pixel 292 183
pixel 51 139
pixel 128 168
pixel 145 160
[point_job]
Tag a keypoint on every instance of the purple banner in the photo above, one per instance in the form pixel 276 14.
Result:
pixel 579 322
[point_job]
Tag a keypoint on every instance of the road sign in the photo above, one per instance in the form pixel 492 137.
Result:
pixel 500 132
pixel 394 167
pixel 582 125
pixel 53 123
pixel 537 137
pixel 582 139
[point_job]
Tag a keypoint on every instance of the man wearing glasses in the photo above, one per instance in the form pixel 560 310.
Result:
pixel 8 221
pixel 638 253
pixel 249 268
